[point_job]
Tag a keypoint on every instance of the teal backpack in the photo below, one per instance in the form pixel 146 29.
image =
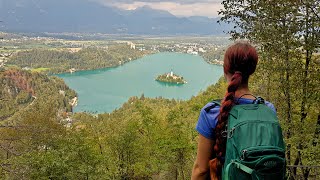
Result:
pixel 255 146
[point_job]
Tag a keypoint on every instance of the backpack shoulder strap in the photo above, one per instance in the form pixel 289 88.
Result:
pixel 258 100
pixel 214 104
pixel 217 102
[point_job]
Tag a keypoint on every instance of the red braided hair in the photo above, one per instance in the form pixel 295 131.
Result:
pixel 240 61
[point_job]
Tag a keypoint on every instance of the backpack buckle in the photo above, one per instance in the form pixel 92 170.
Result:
pixel 259 100
pixel 230 134
pixel 224 133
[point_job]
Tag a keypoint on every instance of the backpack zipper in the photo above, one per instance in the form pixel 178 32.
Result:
pixel 231 131
pixel 254 121
pixel 256 149
pixel 242 157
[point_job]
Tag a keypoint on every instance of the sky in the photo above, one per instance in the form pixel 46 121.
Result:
pixel 207 8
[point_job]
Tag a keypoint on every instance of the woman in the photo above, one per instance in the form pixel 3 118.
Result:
pixel 240 62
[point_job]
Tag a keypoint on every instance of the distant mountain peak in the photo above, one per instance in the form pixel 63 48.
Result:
pixel 89 16
pixel 155 13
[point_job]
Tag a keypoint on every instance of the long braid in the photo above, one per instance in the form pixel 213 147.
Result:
pixel 240 61
pixel 226 106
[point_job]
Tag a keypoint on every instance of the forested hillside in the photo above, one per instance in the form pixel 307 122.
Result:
pixel 59 61
pixel 214 56
pixel 146 138
pixel 22 92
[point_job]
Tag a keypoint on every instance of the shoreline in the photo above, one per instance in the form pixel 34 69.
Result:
pixel 119 65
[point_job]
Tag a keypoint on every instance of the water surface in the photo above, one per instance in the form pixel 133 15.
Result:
pixel 105 90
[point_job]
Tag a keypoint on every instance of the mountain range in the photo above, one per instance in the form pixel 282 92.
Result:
pixel 91 17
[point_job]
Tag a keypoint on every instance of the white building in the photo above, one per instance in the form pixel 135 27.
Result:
pixel 132 45
pixel 189 51
pixel 202 50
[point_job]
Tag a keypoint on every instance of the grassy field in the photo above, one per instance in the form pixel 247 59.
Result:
pixel 40 69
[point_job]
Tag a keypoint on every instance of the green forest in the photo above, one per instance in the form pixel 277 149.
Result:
pixel 24 91
pixel 60 61
pixel 155 138
pixel 146 138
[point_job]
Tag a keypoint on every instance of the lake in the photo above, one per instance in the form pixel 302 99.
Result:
pixel 105 90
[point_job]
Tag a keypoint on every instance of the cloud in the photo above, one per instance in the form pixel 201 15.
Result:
pixel 177 7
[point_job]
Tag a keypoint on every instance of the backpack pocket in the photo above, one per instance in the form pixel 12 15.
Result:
pixel 267 162
pixel 270 168
pixel 257 163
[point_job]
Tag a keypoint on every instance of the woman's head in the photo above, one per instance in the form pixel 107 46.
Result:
pixel 240 57
pixel 240 62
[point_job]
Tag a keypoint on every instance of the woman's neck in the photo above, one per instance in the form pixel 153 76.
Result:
pixel 244 92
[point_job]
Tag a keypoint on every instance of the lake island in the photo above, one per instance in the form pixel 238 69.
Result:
pixel 171 78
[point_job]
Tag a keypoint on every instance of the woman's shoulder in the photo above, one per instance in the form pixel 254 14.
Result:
pixel 211 107
pixel 271 106
pixel 208 119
